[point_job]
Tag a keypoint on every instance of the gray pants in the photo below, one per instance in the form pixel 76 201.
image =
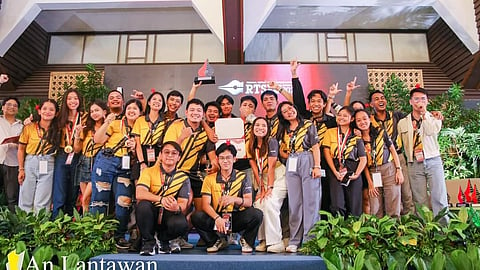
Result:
pixel 428 176
pixel 407 201
pixel 36 190
pixel 304 197
pixel 388 201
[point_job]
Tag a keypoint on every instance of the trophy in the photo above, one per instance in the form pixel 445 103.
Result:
pixel 205 74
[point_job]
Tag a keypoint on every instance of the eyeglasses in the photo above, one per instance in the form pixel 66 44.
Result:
pixel 172 153
pixel 11 105
pixel 418 99
pixel 227 158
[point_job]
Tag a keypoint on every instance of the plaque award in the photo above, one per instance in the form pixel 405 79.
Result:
pixel 205 74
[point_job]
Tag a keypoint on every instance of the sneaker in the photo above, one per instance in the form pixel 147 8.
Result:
pixel 164 248
pixel 184 243
pixel 232 239
pixel 246 248
pixel 175 246
pixel 219 245
pixel 291 249
pixel 122 245
pixel 262 246
pixel 148 248
pixel 277 248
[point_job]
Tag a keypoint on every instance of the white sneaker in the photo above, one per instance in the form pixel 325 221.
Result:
pixel 246 248
pixel 291 249
pixel 219 245
pixel 262 246
pixel 175 246
pixel 183 243
pixel 277 248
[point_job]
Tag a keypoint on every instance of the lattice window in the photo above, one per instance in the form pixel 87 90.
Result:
pixel 411 77
pixel 58 79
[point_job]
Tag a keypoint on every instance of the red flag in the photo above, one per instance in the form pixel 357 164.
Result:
pixel 460 197
pixel 468 191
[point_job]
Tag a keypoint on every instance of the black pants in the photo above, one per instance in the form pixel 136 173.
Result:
pixel 248 220
pixel 9 182
pixel 345 200
pixel 172 225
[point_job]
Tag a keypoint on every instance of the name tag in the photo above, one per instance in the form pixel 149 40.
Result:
pixel 292 164
pixel 69 158
pixel 126 162
pixel 43 167
pixel 150 155
pixel 377 179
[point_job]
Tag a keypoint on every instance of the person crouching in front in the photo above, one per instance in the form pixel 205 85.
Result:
pixel 227 205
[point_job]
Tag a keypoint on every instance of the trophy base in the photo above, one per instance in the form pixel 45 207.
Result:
pixel 463 204
pixel 205 80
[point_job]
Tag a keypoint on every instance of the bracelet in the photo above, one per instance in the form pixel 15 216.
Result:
pixel 315 167
pixel 331 97
pixel 215 219
pixel 281 90
pixel 21 169
pixel 141 162
pixel 399 168
pixel 270 187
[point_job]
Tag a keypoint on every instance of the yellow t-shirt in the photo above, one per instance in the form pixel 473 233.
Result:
pixel 142 129
pixel 117 131
pixel 178 186
pixel 89 149
pixel 64 137
pixel 31 136
pixel 193 147
pixel 214 186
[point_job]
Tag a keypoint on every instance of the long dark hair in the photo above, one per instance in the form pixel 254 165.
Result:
pixel 90 123
pixel 63 113
pixel 371 130
pixel 53 134
pixel 147 106
pixel 253 139
pixel 284 124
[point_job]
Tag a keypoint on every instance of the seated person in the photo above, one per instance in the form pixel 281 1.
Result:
pixel 227 201
pixel 162 194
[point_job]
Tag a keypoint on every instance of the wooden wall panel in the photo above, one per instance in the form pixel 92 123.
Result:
pixel 448 52
pixel 26 55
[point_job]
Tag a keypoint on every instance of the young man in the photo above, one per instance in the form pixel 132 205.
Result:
pixel 162 194
pixel 192 137
pixel 226 104
pixel 419 131
pixel 174 102
pixel 212 113
pixel 115 102
pixel 227 201
pixel 9 127
pixel 383 120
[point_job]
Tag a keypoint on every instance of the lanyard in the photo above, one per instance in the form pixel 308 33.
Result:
pixel 293 139
pixel 341 143
pixel 167 180
pixel 70 129
pixel 41 142
pixel 225 191
pixel 151 128
pixel 259 161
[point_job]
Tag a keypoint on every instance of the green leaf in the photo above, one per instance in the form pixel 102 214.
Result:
pixel 438 262
pixel 356 226
pixel 359 260
pixel 460 260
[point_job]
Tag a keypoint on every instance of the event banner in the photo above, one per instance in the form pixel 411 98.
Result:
pixel 235 80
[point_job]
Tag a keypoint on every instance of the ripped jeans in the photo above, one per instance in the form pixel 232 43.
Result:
pixel 108 175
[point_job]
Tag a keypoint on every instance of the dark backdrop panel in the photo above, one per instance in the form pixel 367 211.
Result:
pixel 236 80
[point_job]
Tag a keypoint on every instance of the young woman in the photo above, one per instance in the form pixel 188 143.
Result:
pixel 83 143
pixel 111 169
pixel 149 130
pixel 263 157
pixel 300 143
pixel 385 193
pixel 37 146
pixel 65 192
pixel 345 155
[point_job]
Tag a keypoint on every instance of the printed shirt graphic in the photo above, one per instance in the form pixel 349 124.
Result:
pixel 117 130
pixel 89 148
pixel 142 128
pixel 31 136
pixel 302 139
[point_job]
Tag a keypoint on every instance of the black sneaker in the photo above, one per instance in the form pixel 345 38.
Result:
pixel 175 246
pixel 122 245
pixel 148 248
pixel 164 248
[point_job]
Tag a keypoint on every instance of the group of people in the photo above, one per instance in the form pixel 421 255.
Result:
pixel 166 175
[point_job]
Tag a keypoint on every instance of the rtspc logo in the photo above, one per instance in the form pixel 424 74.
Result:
pixel 236 87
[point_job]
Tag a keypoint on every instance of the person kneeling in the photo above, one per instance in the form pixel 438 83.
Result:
pixel 227 201
pixel 162 194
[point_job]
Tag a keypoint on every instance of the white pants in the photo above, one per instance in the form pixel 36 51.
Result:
pixel 36 191
pixel 271 229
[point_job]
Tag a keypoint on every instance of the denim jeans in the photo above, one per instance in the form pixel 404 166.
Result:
pixel 36 190
pixel 108 175
pixel 65 193
pixel 428 176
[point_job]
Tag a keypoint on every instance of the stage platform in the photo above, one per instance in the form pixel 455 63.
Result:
pixel 198 259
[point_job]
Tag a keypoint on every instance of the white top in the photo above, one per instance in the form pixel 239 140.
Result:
pixel 428 131
pixel 8 152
